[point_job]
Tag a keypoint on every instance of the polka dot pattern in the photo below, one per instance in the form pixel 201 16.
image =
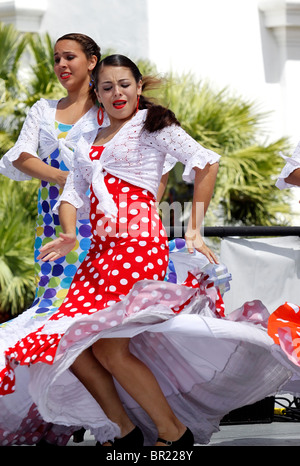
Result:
pixel 33 429
pixel 133 247
pixel 122 252
pixel 128 256
pixel 119 279
pixel 53 279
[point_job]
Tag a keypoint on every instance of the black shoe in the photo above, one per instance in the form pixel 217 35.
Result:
pixel 44 443
pixel 185 441
pixel 133 440
pixel 78 435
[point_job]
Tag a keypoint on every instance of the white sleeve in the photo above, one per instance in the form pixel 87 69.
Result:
pixel 180 147
pixel 292 163
pixel 169 163
pixel 76 193
pixel 28 141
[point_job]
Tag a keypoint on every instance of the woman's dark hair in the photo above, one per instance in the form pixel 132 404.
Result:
pixel 158 117
pixel 89 47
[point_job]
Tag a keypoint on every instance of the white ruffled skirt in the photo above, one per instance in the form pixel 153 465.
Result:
pixel 207 363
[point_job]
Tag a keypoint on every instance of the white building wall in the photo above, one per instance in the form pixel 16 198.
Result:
pixel 118 25
pixel 227 43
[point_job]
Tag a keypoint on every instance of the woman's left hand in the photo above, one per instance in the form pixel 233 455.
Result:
pixel 57 248
pixel 194 240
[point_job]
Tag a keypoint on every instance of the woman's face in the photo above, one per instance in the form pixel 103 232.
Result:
pixel 117 91
pixel 71 65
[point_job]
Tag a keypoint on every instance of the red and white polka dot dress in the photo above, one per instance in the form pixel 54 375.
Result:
pixel 132 247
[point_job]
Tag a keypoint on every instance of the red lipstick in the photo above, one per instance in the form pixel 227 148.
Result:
pixel 119 104
pixel 65 75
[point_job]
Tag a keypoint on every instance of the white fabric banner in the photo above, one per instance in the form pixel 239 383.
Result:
pixel 267 269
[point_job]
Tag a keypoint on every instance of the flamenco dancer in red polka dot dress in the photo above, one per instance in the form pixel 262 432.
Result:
pixel 122 277
pixel 133 357
pixel 129 247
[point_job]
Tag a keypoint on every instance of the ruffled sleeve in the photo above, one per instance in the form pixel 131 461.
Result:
pixel 292 163
pixel 169 163
pixel 28 141
pixel 180 147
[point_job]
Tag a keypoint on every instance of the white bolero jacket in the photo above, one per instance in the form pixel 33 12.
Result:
pixel 38 137
pixel 135 156
pixel 292 163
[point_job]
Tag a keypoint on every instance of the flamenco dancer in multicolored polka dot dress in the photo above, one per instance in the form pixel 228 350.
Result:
pixel 45 150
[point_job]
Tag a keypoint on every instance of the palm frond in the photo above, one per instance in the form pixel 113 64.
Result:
pixel 12 47
pixel 230 125
pixel 43 80
pixel 17 213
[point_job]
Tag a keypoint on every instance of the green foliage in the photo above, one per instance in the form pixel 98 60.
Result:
pixel 246 186
pixel 43 82
pixel 245 190
pixel 17 214
pixel 26 76
pixel 13 44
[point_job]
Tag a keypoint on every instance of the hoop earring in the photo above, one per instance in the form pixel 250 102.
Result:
pixel 138 103
pixel 100 116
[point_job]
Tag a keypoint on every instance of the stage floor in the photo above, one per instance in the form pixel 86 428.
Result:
pixel 271 434
pixel 283 434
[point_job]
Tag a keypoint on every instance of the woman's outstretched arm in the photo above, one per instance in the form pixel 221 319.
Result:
pixel 203 190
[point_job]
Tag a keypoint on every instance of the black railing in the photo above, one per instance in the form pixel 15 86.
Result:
pixel 251 231
pixel 224 231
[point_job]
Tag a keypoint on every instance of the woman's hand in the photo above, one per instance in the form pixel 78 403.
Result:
pixel 194 240
pixel 58 248
pixel 62 178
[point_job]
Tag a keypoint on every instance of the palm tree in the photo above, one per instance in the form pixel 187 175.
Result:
pixel 26 75
pixel 43 81
pixel 13 44
pixel 245 191
pixel 17 283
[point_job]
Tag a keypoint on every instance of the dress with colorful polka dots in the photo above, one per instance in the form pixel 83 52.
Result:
pixel 53 281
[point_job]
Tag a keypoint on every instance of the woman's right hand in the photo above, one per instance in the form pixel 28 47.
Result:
pixel 57 248
pixel 194 240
